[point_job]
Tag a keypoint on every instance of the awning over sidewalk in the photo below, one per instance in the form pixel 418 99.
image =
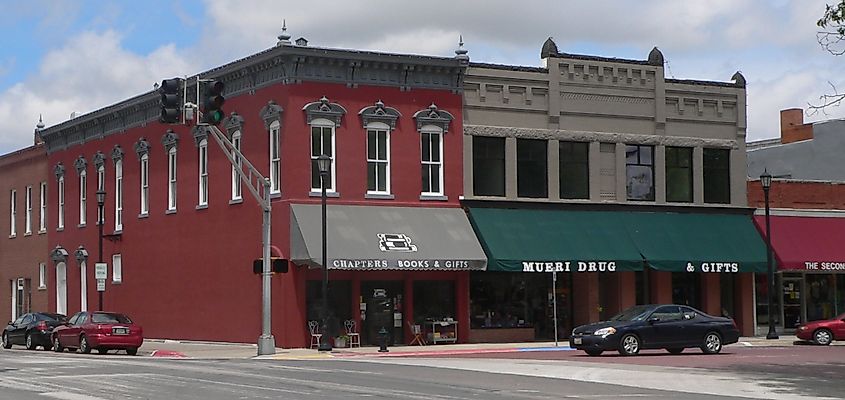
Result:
pixel 385 238
pixel 531 240
pixel 806 243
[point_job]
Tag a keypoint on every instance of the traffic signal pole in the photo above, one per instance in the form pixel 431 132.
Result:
pixel 259 186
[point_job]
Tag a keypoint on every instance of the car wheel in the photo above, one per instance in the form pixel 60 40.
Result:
pixel 6 343
pixel 675 351
pixel 629 345
pixel 102 351
pixel 593 352
pixel 57 347
pixel 84 347
pixel 29 344
pixel 132 351
pixel 823 337
pixel 712 343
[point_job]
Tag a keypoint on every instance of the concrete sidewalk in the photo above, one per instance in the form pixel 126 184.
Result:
pixel 218 350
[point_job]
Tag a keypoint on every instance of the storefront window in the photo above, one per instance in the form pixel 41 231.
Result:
pixel 727 285
pixel 434 301
pixel 686 289
pixel 840 294
pixel 820 301
pixel 340 293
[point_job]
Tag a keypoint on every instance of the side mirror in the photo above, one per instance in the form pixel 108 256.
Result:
pixel 653 320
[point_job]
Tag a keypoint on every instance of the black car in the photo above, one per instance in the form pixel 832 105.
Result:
pixel 663 326
pixel 32 330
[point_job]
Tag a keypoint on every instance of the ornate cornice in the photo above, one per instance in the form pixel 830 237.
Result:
pixel 379 113
pixel 270 113
pixel 324 109
pixel 433 116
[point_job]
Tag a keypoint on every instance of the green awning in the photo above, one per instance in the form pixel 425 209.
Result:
pixel 523 240
pixel 531 240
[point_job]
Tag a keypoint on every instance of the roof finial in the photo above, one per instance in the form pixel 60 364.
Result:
pixel 40 125
pixel 461 52
pixel 284 37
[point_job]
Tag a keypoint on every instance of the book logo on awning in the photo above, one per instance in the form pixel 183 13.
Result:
pixel 395 242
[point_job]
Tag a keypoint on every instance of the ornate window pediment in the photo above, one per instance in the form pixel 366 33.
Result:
pixel 233 123
pixel 142 147
pixel 380 113
pixel 200 133
pixel 80 164
pixel 270 113
pixel 59 170
pixel 170 139
pixel 59 254
pixel 433 116
pixel 117 153
pixel 81 254
pixel 99 159
pixel 324 109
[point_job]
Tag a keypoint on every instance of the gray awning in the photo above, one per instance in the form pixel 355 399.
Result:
pixel 385 238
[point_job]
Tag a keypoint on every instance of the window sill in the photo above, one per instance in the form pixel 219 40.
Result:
pixel 42 288
pixel 202 207
pixel 27 234
pixel 433 197
pixel 319 194
pixel 12 236
pixel 143 215
pixel 168 212
pixel 59 229
pixel 379 196
pixel 116 282
pixel 43 231
pixel 237 201
pixel 80 226
pixel 275 195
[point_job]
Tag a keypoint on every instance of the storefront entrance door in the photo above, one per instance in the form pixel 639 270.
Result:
pixel 792 298
pixel 383 308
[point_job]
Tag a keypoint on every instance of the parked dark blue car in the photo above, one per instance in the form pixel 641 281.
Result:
pixel 32 330
pixel 662 326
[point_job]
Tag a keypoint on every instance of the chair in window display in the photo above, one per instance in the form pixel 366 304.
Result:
pixel 352 332
pixel 316 336
pixel 416 330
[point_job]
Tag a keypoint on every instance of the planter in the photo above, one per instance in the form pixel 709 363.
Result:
pixel 339 342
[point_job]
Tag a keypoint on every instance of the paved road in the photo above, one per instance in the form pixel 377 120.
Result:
pixel 26 375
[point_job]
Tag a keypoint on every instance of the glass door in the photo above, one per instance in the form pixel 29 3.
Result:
pixel 792 299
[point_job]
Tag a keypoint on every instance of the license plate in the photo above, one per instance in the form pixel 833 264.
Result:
pixel 120 331
pixel 576 340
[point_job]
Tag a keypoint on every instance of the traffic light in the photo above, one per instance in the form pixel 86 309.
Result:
pixel 212 102
pixel 171 100
pixel 278 265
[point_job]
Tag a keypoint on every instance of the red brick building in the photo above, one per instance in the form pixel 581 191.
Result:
pixel 23 242
pixel 181 235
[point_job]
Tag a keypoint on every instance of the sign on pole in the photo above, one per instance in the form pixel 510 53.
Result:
pixel 101 285
pixel 101 271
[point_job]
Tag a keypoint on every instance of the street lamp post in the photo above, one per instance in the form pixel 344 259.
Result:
pixel 324 164
pixel 766 181
pixel 101 200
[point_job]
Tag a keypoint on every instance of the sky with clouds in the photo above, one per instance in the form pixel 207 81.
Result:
pixel 64 56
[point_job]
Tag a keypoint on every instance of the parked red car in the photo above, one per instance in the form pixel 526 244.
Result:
pixel 823 332
pixel 98 330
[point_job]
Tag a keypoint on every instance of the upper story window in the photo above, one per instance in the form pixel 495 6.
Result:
pixel 324 117
pixel 142 148
pixel 639 162
pixel 679 174
pixel 532 168
pixel 42 213
pixel 203 173
pixel 28 216
pixel 81 164
pixel 488 166
pixel 717 176
pixel 574 163
pixel 237 193
pixel 59 170
pixel 118 195
pixel 378 158
pixel 275 157
pixel 171 141
pixel 99 164
pixel 42 276
pixel 13 213
pixel 432 123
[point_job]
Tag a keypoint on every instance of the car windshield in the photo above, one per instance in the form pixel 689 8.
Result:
pixel 109 318
pixel 637 313
pixel 52 317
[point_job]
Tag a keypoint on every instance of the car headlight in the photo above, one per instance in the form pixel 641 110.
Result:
pixel 802 328
pixel 605 332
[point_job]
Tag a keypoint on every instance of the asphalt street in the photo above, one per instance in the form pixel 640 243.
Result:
pixel 446 372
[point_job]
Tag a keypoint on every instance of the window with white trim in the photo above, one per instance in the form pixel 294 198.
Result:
pixel 171 179
pixel 101 186
pixel 116 268
pixel 83 286
pixel 42 213
pixel 378 158
pixel 83 196
pixel 28 216
pixel 275 158
pixel 60 220
pixel 432 160
pixel 203 176
pixel 145 184
pixel 42 276
pixel 237 193
pixel 322 142
pixel 118 195
pixel 14 213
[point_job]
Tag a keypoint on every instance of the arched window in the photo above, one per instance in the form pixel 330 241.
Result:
pixel 203 173
pixel 171 179
pixel 118 195
pixel 237 193
pixel 145 184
